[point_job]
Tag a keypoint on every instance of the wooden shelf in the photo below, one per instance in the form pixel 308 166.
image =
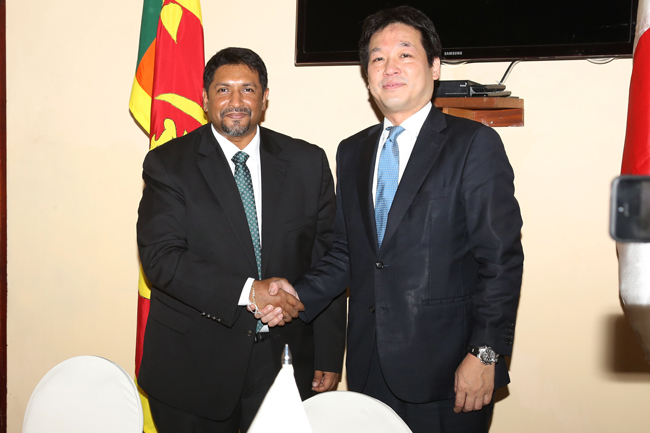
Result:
pixel 492 112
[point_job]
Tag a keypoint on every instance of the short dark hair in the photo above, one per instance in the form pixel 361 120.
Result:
pixel 235 56
pixel 404 15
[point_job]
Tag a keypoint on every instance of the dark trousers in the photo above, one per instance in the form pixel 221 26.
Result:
pixel 434 417
pixel 259 378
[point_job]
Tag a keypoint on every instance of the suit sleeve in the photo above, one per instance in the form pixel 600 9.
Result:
pixel 330 325
pixel 494 231
pixel 331 274
pixel 166 260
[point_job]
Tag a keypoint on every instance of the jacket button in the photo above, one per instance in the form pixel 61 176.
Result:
pixel 379 265
pixel 372 309
pixel 249 333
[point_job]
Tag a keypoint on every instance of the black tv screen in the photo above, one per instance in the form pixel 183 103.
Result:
pixel 328 31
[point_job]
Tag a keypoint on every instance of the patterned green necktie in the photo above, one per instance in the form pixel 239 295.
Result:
pixel 245 186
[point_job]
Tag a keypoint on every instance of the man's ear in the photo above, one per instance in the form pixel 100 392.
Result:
pixel 205 101
pixel 436 68
pixel 265 98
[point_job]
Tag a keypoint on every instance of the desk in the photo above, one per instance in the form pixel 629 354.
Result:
pixel 489 111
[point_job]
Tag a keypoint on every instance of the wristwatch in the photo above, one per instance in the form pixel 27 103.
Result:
pixel 485 354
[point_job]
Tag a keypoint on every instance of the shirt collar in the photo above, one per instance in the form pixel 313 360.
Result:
pixel 413 124
pixel 230 149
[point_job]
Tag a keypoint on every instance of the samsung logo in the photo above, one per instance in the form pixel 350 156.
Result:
pixel 453 53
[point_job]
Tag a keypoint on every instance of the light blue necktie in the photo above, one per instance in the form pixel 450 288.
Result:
pixel 245 186
pixel 387 176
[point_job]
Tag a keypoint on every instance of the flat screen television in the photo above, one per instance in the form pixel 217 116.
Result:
pixel 477 30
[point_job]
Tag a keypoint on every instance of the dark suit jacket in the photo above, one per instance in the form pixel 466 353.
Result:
pixel 196 250
pixel 448 273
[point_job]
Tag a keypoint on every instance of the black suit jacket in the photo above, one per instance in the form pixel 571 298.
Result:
pixel 196 250
pixel 448 273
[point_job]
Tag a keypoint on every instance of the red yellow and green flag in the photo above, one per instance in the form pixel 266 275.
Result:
pixel 166 101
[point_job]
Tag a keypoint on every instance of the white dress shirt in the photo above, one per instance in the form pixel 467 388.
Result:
pixel 255 167
pixel 405 141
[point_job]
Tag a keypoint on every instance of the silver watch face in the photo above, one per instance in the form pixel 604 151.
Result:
pixel 487 355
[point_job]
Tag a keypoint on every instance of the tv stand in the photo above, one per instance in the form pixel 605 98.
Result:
pixel 492 111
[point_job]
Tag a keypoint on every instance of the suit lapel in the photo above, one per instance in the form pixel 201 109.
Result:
pixel 273 186
pixel 425 153
pixel 366 169
pixel 217 173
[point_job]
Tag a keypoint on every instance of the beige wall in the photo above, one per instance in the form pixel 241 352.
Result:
pixel 74 158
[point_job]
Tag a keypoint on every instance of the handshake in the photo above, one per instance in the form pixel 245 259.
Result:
pixel 274 301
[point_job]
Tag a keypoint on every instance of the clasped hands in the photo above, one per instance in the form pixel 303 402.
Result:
pixel 275 307
pixel 280 307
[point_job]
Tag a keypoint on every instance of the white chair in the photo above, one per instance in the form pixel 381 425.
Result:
pixel 351 412
pixel 84 394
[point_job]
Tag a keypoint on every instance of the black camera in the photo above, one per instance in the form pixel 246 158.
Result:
pixel 630 209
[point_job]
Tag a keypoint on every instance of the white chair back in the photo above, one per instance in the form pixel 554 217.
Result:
pixel 351 412
pixel 84 394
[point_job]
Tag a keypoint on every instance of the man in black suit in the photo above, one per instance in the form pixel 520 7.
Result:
pixel 427 238
pixel 223 207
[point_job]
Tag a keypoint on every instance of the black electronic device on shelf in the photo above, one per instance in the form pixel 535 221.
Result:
pixel 468 88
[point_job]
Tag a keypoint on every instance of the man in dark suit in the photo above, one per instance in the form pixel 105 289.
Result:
pixel 427 238
pixel 223 207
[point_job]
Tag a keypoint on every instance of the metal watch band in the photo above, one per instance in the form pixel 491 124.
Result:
pixel 485 354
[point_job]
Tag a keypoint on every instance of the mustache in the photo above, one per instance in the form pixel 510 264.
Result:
pixel 227 110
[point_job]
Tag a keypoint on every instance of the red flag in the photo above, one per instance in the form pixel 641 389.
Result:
pixel 166 100
pixel 636 154
pixel 177 105
pixel 634 258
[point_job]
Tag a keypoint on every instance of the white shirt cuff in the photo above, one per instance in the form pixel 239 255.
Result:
pixel 245 292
